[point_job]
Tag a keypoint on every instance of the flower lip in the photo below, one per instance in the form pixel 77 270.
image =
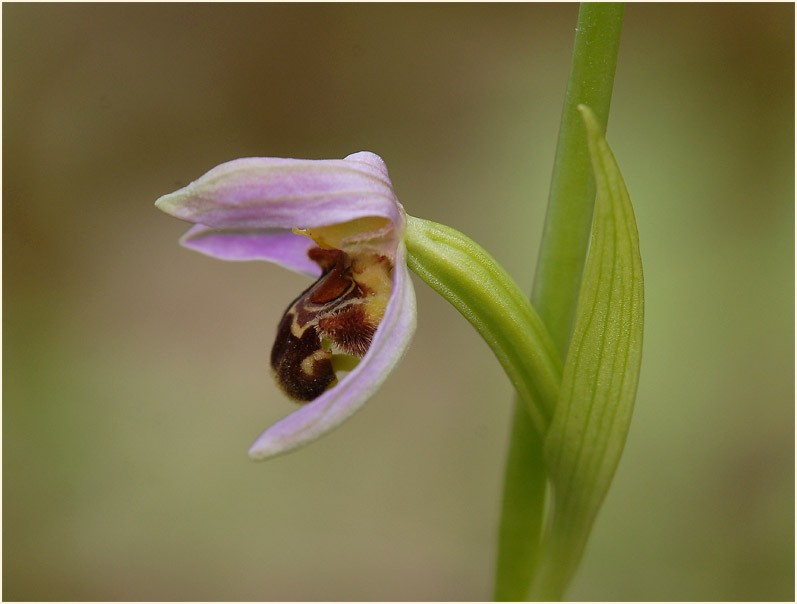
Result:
pixel 336 405
pixel 341 311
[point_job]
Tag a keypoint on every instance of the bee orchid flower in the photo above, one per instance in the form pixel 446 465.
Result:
pixel 340 222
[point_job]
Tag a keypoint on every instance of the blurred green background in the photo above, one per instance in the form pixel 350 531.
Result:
pixel 135 372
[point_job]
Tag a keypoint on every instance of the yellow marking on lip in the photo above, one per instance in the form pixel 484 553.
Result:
pixel 297 331
pixel 308 363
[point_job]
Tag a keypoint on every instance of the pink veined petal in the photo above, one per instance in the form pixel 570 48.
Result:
pixel 332 408
pixel 265 192
pixel 282 247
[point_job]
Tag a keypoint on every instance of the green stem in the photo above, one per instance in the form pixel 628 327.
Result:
pixel 522 513
pixel 557 283
pixel 571 199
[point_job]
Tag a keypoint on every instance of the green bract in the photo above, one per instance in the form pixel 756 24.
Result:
pixel 589 427
pixel 478 287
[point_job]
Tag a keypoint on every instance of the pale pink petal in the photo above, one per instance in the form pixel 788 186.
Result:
pixel 265 192
pixel 282 247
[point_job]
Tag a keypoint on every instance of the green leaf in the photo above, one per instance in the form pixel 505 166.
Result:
pixel 601 372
